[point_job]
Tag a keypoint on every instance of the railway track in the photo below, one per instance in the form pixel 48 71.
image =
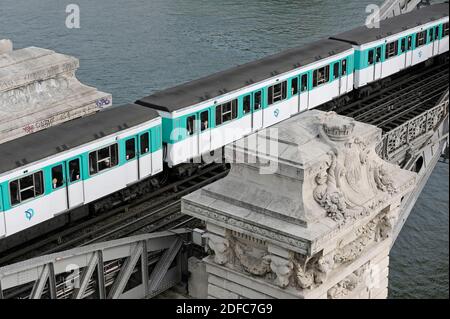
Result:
pixel 157 211
pixel 402 100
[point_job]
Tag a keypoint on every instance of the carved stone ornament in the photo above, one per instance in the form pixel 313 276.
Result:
pixel 252 264
pixel 376 230
pixel 282 268
pixel 221 248
pixel 343 288
pixel 353 174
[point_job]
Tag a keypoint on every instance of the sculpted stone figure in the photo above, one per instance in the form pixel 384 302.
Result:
pixel 383 180
pixel 304 278
pixel 327 193
pixel 221 247
pixel 282 268
pixel 254 265
pixel 324 266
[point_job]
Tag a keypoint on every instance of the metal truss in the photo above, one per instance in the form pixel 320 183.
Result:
pixel 136 267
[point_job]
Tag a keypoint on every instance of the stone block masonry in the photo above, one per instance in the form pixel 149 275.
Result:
pixel 38 89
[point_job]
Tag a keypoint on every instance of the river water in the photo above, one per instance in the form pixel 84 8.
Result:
pixel 133 48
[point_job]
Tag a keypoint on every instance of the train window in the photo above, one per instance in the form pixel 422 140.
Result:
pixel 246 104
pixel 257 102
pixel 144 143
pixel 371 57
pixel 378 55
pixel 403 45
pixel 336 70
pixel 321 76
pixel 103 159
pixel 436 33
pixel 294 86
pixel 409 43
pixel 277 92
pixel 93 163
pixel 445 30
pixel 14 192
pixel 204 120
pixel 130 149
pixel 26 188
pixel 420 38
pixel 430 35
pixel 218 114
pixel 190 125
pixel 74 170
pixel 226 112
pixel 344 67
pixel 304 83
pixel 57 177
pixel 391 49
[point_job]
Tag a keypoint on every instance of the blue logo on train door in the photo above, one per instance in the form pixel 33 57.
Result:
pixel 420 54
pixel 29 213
pixel 276 112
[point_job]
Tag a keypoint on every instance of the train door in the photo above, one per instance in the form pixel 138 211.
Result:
pixel 144 155
pixel 204 135
pixel 430 34
pixel 370 76
pixel 337 76
pixel 409 52
pixel 435 37
pixel 59 184
pixel 257 112
pixel 304 92
pixel 192 138
pixel 2 215
pixel 402 42
pixel 75 184
pixel 343 78
pixel 378 63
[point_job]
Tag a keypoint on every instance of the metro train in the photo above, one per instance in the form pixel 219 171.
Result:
pixel 71 167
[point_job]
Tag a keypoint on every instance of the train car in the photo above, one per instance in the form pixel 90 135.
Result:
pixel 204 115
pixel 399 43
pixel 54 171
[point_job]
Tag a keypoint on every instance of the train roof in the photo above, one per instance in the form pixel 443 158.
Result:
pixel 363 35
pixel 220 83
pixel 54 140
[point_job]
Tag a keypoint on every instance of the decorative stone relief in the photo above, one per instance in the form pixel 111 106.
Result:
pixel 376 230
pixel 353 174
pixel 282 268
pixel 255 265
pixel 304 275
pixel 221 248
pixel 343 288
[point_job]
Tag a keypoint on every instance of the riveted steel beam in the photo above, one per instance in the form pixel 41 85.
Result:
pixel 78 293
pixel 163 264
pixel 125 272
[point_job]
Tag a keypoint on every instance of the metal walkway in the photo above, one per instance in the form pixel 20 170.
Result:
pixel 135 267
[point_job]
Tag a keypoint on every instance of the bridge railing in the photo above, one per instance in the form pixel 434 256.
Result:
pixel 135 267
pixel 403 136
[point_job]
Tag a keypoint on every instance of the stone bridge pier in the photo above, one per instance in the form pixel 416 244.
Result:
pixel 307 211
